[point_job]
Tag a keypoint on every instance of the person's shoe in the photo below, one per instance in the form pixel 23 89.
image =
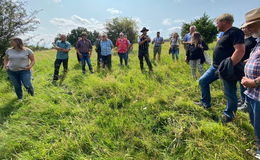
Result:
pixel 91 72
pixel 202 105
pixel 227 119
pixel 83 72
pixel 257 155
pixel 243 107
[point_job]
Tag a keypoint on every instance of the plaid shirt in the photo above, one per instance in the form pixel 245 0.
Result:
pixel 252 71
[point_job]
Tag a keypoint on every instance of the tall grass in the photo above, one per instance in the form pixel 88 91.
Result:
pixel 123 114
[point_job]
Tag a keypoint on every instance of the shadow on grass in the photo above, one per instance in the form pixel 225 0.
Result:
pixel 7 109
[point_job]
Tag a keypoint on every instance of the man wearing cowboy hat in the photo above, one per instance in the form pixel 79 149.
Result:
pixel 84 48
pixel 252 74
pixel 143 52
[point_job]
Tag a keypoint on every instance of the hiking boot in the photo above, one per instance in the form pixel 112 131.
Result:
pixel 227 119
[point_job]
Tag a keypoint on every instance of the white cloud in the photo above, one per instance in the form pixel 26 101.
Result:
pixel 175 29
pixel 167 22
pixel 114 11
pixel 56 1
pixel 66 25
pixel 179 21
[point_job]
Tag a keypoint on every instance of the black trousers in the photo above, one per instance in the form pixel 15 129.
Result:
pixel 99 60
pixel 57 67
pixel 144 55
pixel 107 61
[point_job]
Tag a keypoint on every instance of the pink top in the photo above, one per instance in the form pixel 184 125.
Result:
pixel 122 45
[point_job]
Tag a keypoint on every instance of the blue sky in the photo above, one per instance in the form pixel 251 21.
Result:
pixel 60 16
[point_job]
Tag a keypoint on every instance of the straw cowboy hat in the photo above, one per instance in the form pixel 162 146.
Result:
pixel 252 17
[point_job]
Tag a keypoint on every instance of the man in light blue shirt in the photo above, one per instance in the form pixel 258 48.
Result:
pixel 187 37
pixel 157 41
pixel 63 47
pixel 106 46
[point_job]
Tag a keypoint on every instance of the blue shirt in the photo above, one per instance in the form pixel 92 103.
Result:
pixel 64 45
pixel 106 47
pixel 187 37
pixel 220 34
pixel 158 41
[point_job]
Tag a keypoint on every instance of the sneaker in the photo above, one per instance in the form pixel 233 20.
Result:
pixel 227 119
pixel 202 105
pixel 83 72
pixel 91 72
pixel 243 107
pixel 257 156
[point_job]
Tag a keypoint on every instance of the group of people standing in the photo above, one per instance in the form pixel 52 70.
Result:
pixel 235 48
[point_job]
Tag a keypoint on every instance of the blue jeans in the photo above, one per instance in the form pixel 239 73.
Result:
pixel 242 90
pixel 229 90
pixel 123 56
pixel 205 80
pixel 175 53
pixel 254 113
pixel 21 77
pixel 85 58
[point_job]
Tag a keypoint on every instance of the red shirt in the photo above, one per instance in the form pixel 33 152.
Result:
pixel 122 45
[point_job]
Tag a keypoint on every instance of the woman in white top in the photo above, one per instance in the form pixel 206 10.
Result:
pixel 18 62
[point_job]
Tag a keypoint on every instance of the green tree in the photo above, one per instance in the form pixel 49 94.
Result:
pixel 126 25
pixel 14 21
pixel 205 26
pixel 76 33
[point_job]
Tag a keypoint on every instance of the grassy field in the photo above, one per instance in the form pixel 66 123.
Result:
pixel 123 114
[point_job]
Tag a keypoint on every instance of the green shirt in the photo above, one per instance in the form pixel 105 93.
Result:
pixel 64 45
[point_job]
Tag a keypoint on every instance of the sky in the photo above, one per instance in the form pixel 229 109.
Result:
pixel 166 16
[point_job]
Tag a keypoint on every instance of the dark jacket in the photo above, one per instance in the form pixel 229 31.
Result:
pixel 228 72
pixel 194 53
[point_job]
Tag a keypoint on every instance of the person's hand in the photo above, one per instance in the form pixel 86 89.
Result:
pixel 29 67
pixel 248 83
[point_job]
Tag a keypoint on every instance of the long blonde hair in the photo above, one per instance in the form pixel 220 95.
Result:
pixel 196 39
pixel 19 43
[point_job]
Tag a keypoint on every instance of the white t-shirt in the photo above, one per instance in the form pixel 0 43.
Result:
pixel 18 60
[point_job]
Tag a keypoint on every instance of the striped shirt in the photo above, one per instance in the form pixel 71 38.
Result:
pixel 252 71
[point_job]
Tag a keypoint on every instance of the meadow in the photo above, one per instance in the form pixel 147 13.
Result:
pixel 120 115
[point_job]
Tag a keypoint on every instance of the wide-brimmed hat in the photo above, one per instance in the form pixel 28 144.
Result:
pixel 252 17
pixel 84 34
pixel 144 29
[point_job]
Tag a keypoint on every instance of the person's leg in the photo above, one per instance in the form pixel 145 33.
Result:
pixel 159 53
pixel 193 68
pixel 65 65
pixel 26 80
pixel 141 59
pixel 89 64
pixel 148 62
pixel 109 62
pixel 83 62
pixel 177 53
pixel 57 64
pixel 173 55
pixel 205 80
pixel 154 53
pixel 230 91
pixel 254 111
pixel 125 58
pixel 242 95
pixel 200 67
pixel 120 58
pixel 104 61
pixel 14 77
pixel 98 61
